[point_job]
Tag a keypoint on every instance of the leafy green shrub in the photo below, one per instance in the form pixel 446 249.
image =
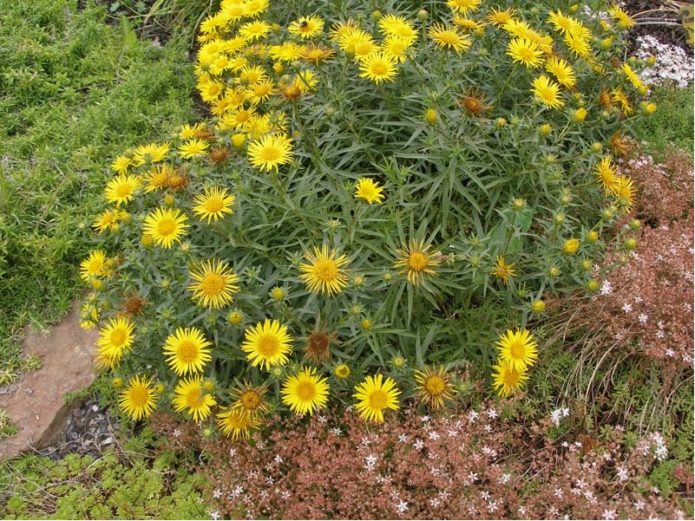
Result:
pixel 357 192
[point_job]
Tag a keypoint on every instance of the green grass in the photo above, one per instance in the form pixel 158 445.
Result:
pixel 76 90
pixel 142 480
pixel 671 125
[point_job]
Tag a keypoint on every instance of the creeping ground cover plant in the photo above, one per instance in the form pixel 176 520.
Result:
pixel 363 180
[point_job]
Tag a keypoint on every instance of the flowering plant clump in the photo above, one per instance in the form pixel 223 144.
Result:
pixel 361 181
pixel 475 464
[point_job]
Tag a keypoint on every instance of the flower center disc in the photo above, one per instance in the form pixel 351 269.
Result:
pixel 417 261
pixel 187 351
pixel 268 345
pixel 118 337
pixel 435 385
pixel 166 227
pixel 306 391
pixel 378 399
pixel 213 284
pixel 325 270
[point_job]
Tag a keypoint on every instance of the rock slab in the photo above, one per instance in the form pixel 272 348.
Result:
pixel 36 403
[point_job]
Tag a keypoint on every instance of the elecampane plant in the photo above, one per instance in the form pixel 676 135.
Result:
pixel 364 179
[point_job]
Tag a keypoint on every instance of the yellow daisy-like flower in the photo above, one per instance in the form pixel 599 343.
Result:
pixel 464 6
pixel 190 396
pixel 563 71
pixel 252 74
pixel 255 30
pixel 503 271
pixel 267 344
pixel 570 246
pixel 253 8
pixel 121 189
pixel 138 399
pixel 93 266
pixel 114 340
pixel 153 152
pixel 578 44
pixel 213 204
pixel 316 53
pixel 547 92
pixel 375 395
pixel 166 226
pixel 433 386
pixel 560 22
pixel 187 351
pixel 107 220
pixel 158 178
pixel 193 148
pixel 306 27
pixel 287 52
pixel 449 38
pixel 607 175
pixel 259 92
pixel 396 47
pixel 190 131
pixel 236 424
pixel 121 164
pixel 250 399
pixel 625 191
pixel 633 77
pixel 500 17
pixel 270 152
pixel 213 284
pixel 369 190
pixel 625 21
pixel 305 392
pixel 392 25
pixel 416 262
pixel 525 52
pixel 507 379
pixel 324 272
pixel 518 348
pixel 378 67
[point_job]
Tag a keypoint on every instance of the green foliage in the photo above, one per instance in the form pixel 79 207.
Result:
pixel 672 124
pixel 140 483
pixel 74 91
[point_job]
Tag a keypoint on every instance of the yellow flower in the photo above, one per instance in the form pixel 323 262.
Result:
pixel 316 53
pixel 464 6
pixel 579 115
pixel 236 424
pixel 121 189
pixel 518 348
pixel 114 340
pixel 563 71
pixel 324 271
pixel 277 293
pixel 187 351
pixel 393 25
pixel 570 246
pixel 378 67
pixel 213 284
pixel 449 38
pixel 341 371
pixel 255 30
pixel 625 191
pixel 416 262
pixel 305 392
pixel 431 116
pixel 500 17
pixel 158 178
pixel 375 395
pixel 107 220
pixel 270 151
pixel 525 52
pixel 503 271
pixel 578 44
pixel 508 379
pixel 433 386
pixel 138 399
pixel 121 164
pixel 213 204
pixel 306 27
pixel 267 344
pixel 93 266
pixel 632 76
pixel 193 148
pixel 259 92
pixel 547 92
pixel 538 306
pixel 190 396
pixel 396 48
pixel 607 174
pixel 562 23
pixel 369 190
pixel 152 153
pixel 166 226
pixel 625 21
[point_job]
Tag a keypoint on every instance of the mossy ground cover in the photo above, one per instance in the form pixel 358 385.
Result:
pixel 76 88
